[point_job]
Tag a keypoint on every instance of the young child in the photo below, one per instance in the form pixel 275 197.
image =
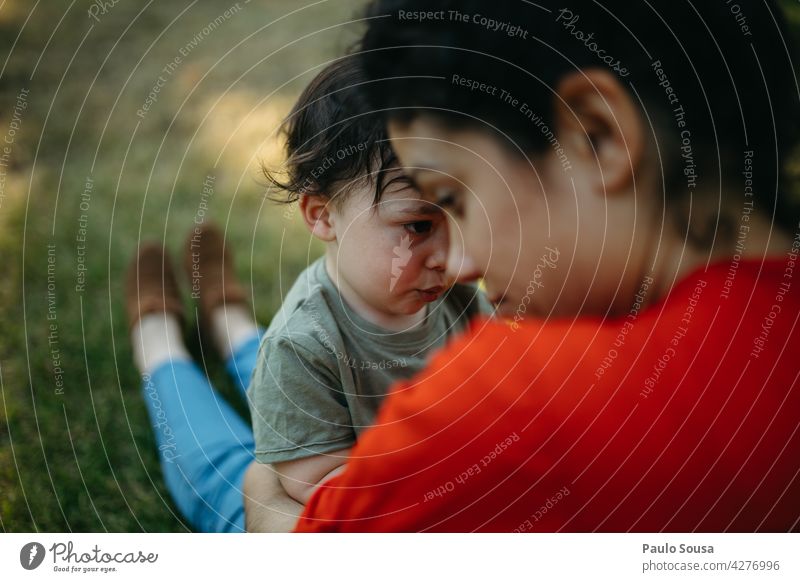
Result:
pixel 366 314
pixel 370 310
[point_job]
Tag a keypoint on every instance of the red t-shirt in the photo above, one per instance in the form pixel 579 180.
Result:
pixel 682 416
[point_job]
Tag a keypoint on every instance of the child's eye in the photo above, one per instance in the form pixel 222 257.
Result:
pixel 419 227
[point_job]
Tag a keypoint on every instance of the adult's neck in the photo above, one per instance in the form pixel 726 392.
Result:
pixel 678 258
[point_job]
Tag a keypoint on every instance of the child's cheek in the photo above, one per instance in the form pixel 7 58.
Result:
pixel 398 267
pixel 383 264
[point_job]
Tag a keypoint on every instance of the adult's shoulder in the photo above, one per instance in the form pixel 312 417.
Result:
pixel 493 352
pixel 483 393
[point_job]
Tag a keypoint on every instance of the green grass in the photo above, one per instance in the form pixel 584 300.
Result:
pixel 84 459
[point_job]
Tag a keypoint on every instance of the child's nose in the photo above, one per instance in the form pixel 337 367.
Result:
pixel 460 266
pixel 437 259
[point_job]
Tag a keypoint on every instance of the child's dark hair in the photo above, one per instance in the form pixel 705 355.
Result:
pixel 334 141
pixel 729 67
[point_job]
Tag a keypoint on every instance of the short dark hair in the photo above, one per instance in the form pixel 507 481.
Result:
pixel 334 141
pixel 728 65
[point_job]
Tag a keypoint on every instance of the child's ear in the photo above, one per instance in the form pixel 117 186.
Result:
pixel 316 210
pixel 602 126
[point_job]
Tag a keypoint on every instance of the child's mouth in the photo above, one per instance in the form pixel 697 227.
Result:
pixel 430 294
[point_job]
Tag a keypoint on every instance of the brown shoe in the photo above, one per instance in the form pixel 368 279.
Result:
pixel 210 269
pixel 151 286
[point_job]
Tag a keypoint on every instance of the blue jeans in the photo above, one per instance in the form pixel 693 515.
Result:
pixel 204 445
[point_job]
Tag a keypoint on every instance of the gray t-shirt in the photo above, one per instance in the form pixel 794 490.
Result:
pixel 323 370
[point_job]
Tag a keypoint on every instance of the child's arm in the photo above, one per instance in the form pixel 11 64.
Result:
pixel 267 506
pixel 302 476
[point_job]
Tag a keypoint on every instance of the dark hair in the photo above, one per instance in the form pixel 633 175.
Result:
pixel 728 65
pixel 334 142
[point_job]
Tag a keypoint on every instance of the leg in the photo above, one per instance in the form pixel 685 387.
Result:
pixel 227 318
pixel 222 302
pixel 204 446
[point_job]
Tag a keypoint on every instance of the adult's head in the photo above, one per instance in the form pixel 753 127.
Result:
pixel 624 138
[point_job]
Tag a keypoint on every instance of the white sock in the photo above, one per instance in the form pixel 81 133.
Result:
pixel 157 339
pixel 231 326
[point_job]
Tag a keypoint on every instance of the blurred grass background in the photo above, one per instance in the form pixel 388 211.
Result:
pixel 84 459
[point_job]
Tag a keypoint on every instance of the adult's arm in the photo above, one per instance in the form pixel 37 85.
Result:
pixel 440 445
pixel 267 506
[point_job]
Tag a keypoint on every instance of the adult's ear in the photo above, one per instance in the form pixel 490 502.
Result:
pixel 597 117
pixel 316 210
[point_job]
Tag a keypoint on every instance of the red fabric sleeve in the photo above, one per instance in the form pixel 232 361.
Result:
pixel 434 443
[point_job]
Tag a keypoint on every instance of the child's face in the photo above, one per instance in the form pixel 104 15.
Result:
pixel 545 241
pixel 389 258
